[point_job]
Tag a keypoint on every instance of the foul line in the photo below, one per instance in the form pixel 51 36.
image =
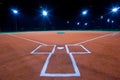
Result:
pixel 27 39
pixel 94 39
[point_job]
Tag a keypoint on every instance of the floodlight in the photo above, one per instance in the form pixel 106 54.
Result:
pixel 15 11
pixel 115 9
pixel 108 20
pixel 44 13
pixel 78 23
pixel 84 12
pixel 112 21
pixel 101 17
pixel 68 22
pixel 86 24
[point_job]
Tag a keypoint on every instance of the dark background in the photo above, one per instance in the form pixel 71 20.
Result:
pixel 60 11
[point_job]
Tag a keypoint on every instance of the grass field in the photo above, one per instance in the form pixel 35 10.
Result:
pixel 60 55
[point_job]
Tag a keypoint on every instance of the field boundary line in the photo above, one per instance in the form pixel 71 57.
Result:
pixel 28 39
pixel 92 39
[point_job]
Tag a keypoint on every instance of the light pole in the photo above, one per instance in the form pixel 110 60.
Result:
pixel 84 12
pixel 114 10
pixel 15 12
pixel 45 14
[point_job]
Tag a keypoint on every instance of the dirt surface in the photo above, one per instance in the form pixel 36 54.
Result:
pixel 17 62
pixel 58 62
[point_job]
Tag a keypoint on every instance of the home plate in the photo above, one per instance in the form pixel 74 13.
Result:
pixel 60 48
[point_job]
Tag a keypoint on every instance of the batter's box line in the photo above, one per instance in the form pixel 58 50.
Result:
pixel 34 51
pixel 44 73
pixel 45 66
pixel 85 52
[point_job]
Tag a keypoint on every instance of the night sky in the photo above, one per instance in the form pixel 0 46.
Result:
pixel 59 11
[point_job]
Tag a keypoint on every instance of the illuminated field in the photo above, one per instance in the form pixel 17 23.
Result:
pixel 67 55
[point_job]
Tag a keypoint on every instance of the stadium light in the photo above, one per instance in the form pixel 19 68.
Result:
pixel 84 12
pixel 112 21
pixel 115 9
pixel 86 24
pixel 108 20
pixel 14 11
pixel 78 23
pixel 68 22
pixel 101 17
pixel 44 13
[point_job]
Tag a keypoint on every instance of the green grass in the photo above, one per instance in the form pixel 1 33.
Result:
pixel 63 31
pixel 60 32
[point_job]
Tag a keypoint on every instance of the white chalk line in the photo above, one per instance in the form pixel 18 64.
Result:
pixel 61 75
pixel 35 50
pixel 79 52
pixel 41 53
pixel 76 70
pixel 85 49
pixel 76 73
pixel 28 39
pixel 93 39
pixel 85 52
pixel 43 72
pixel 67 50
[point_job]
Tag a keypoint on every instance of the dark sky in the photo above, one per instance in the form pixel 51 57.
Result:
pixel 61 8
pixel 64 9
